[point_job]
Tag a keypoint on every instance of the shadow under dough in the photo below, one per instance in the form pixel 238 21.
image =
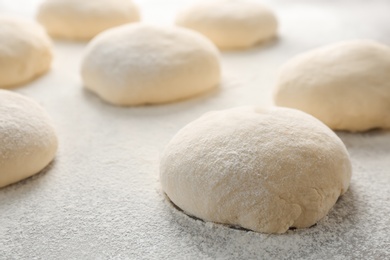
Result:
pixel 32 182
pixel 149 109
pixel 343 210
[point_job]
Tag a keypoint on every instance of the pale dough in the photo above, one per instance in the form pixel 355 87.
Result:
pixel 230 24
pixel 83 19
pixel 28 141
pixel 145 64
pixel 25 51
pixel 262 169
pixel 345 85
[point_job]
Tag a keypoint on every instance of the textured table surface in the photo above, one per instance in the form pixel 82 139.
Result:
pixel 101 197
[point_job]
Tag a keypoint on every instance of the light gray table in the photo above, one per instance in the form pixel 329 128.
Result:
pixel 101 197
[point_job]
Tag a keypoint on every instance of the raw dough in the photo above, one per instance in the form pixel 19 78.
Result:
pixel 144 64
pixel 262 169
pixel 345 85
pixel 83 19
pixel 230 23
pixel 25 51
pixel 27 138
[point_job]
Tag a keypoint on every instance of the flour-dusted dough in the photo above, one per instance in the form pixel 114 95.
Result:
pixel 262 169
pixel 145 64
pixel 83 19
pixel 27 138
pixel 25 51
pixel 345 85
pixel 230 24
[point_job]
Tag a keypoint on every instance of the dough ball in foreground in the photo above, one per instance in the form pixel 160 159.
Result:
pixel 145 64
pixel 262 169
pixel 25 51
pixel 230 24
pixel 27 138
pixel 83 19
pixel 345 85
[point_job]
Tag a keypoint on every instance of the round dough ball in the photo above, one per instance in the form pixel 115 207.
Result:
pixel 230 24
pixel 262 169
pixel 345 85
pixel 25 51
pixel 27 138
pixel 144 64
pixel 83 19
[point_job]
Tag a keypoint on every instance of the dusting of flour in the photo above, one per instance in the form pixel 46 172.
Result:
pixel 102 198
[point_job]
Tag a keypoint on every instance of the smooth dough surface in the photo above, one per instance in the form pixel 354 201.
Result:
pixel 145 64
pixel 345 85
pixel 25 51
pixel 262 169
pixel 83 19
pixel 27 138
pixel 230 24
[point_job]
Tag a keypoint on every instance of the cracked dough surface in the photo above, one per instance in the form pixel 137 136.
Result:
pixel 230 24
pixel 27 138
pixel 145 64
pixel 345 85
pixel 83 19
pixel 25 51
pixel 262 169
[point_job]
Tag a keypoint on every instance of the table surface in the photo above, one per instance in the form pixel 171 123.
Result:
pixel 101 197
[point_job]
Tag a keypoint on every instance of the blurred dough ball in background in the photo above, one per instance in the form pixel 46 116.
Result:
pixel 230 24
pixel 345 85
pixel 141 64
pixel 25 51
pixel 28 142
pixel 83 19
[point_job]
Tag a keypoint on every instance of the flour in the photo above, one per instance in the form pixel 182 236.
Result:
pixel 101 198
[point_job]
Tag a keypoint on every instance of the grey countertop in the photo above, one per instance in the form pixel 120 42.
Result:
pixel 101 197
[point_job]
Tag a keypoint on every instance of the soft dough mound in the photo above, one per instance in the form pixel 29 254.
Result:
pixel 230 24
pixel 262 169
pixel 345 85
pixel 25 51
pixel 83 19
pixel 145 64
pixel 27 138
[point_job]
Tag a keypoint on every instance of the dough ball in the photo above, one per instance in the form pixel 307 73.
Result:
pixel 144 64
pixel 345 85
pixel 83 19
pixel 230 24
pixel 25 51
pixel 27 138
pixel 262 169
